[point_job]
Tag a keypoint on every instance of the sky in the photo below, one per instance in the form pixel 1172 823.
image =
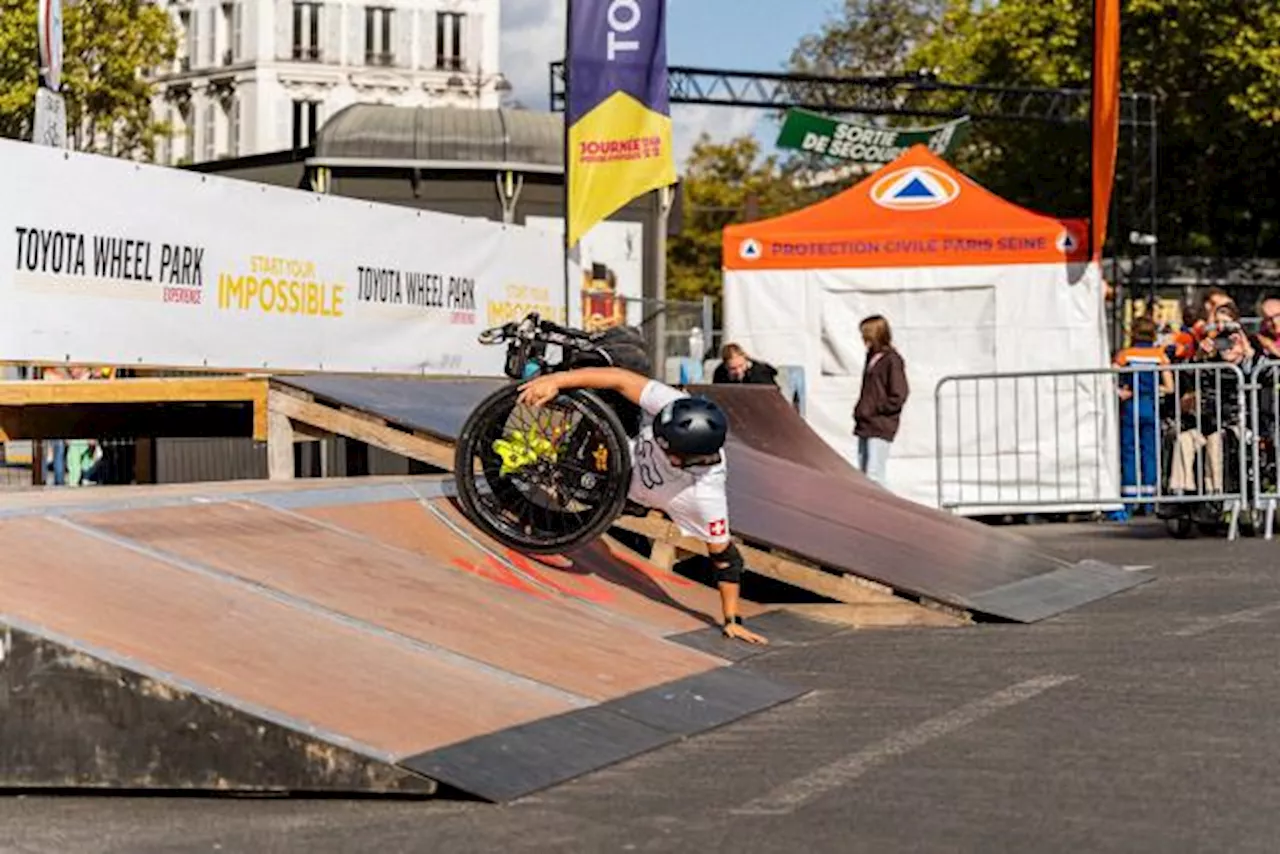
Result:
pixel 700 33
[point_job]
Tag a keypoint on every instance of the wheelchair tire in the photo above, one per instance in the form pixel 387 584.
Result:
pixel 1181 527
pixel 531 509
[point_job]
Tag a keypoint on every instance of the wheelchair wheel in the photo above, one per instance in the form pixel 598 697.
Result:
pixel 1181 527
pixel 542 480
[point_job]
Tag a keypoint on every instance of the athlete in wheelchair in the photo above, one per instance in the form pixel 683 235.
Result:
pixel 548 462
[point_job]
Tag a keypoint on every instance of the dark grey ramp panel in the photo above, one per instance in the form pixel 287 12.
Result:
pixel 705 701
pixel 71 719
pixel 781 627
pixel 517 762
pixel 521 760
pixel 435 406
pixel 1045 595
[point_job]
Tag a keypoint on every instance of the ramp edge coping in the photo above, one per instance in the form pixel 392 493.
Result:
pixel 326 493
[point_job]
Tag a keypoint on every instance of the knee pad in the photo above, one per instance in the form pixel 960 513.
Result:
pixel 727 565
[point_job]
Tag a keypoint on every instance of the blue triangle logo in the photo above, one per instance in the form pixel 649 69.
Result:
pixel 915 189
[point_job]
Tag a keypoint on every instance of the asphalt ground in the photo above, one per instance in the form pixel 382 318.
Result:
pixel 1144 722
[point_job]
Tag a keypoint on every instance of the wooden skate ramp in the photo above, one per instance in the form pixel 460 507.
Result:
pixel 289 640
pixel 789 490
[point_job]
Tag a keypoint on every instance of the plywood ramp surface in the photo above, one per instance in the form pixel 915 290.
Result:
pixel 435 406
pixel 417 595
pixel 611 576
pixel 314 672
pixel 594 585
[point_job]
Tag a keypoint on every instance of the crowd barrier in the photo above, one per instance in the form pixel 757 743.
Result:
pixel 1264 394
pixel 1191 441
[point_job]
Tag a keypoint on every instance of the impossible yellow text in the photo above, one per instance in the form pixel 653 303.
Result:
pixel 281 286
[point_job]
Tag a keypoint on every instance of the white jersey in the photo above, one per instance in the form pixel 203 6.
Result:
pixel 694 498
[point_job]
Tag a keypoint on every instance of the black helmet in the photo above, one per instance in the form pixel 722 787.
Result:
pixel 691 427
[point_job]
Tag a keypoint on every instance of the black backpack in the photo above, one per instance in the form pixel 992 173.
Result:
pixel 627 349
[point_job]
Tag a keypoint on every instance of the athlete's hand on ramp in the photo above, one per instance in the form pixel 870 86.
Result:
pixel 741 632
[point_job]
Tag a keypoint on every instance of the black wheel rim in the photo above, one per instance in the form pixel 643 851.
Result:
pixel 545 475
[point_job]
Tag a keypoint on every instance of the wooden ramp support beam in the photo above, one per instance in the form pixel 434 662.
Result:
pixel 295 414
pixel 39 409
pixel 863 602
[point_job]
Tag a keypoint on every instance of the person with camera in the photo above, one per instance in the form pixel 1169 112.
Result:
pixel 1214 406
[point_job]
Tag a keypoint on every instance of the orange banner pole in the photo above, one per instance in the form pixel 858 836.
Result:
pixel 1104 117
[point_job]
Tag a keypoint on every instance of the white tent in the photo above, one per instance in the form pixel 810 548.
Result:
pixel 970 284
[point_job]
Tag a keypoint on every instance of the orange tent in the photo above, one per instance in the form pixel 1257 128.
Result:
pixel 970 283
pixel 917 211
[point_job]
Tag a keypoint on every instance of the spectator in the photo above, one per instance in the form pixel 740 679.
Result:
pixel 1214 407
pixel 1214 299
pixel 1216 333
pixel 55 450
pixel 1140 409
pixel 877 415
pixel 737 367
pixel 1180 343
pixel 1268 337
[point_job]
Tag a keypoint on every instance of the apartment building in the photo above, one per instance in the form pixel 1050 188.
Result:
pixel 254 76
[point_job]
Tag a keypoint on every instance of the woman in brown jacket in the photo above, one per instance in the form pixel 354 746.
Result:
pixel 884 393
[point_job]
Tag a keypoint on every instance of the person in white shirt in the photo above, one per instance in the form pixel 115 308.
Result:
pixel 677 466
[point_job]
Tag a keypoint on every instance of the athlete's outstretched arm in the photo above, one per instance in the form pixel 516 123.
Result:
pixel 726 565
pixel 543 389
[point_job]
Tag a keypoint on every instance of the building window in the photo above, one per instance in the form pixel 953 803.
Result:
pixel 210 132
pixel 213 36
pixel 165 146
pixel 306 31
pixel 233 128
pixel 449 41
pixel 191 21
pixel 377 36
pixel 305 116
pixel 233 26
pixel 188 135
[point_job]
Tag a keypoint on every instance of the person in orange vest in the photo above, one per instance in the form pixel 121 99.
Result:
pixel 1140 409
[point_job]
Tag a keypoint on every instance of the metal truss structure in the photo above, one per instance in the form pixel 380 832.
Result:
pixel 1133 222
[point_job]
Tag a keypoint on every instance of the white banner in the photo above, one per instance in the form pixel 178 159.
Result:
pixel 106 261
pixel 606 272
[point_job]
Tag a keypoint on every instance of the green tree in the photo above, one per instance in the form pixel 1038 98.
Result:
pixel 1215 68
pixel 109 49
pixel 868 38
pixel 725 183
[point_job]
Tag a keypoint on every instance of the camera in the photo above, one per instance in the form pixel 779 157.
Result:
pixel 1222 334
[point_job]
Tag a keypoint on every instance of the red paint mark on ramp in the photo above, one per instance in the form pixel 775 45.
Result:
pixel 587 587
pixel 495 571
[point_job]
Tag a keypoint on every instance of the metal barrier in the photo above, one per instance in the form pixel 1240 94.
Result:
pixel 1063 441
pixel 1264 391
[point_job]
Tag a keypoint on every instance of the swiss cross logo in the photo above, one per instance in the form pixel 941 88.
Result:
pixel 719 528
